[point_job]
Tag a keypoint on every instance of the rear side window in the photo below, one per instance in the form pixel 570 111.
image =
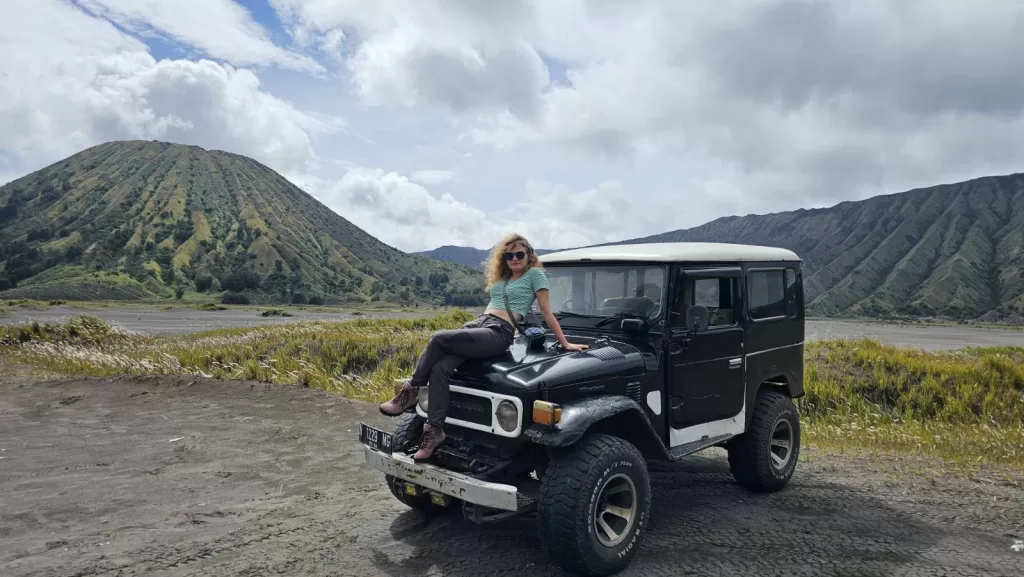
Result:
pixel 767 294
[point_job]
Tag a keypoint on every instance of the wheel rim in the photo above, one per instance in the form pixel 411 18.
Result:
pixel 781 447
pixel 616 510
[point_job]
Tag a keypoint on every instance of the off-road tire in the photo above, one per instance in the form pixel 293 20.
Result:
pixel 750 454
pixel 571 494
pixel 406 435
pixel 406 432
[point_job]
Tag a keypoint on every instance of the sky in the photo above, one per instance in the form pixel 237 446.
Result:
pixel 454 122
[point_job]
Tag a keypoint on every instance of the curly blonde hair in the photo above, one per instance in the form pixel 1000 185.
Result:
pixel 497 270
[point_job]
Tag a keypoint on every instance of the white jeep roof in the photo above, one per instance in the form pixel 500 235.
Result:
pixel 673 252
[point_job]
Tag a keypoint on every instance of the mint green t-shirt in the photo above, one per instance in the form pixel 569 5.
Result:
pixel 521 291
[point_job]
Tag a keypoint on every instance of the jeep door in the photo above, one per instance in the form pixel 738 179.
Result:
pixel 706 369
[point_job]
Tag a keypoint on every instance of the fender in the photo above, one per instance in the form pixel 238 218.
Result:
pixel 613 414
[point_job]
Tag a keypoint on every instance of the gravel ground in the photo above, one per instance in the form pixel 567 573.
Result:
pixel 179 476
pixel 155 321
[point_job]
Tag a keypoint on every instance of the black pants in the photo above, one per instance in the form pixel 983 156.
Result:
pixel 482 337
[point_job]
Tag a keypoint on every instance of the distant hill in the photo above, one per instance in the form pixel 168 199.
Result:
pixel 464 255
pixel 142 219
pixel 954 250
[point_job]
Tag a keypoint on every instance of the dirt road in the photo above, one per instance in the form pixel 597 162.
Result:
pixel 176 477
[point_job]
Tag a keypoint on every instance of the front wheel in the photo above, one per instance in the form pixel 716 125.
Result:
pixel 763 459
pixel 593 506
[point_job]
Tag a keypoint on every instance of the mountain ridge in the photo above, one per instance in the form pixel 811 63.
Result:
pixel 464 255
pixel 953 250
pixel 145 219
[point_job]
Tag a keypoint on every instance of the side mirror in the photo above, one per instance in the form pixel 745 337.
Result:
pixel 697 317
pixel 633 325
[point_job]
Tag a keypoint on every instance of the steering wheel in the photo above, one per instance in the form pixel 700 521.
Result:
pixel 565 305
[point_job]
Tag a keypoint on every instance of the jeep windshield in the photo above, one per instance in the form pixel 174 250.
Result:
pixel 588 295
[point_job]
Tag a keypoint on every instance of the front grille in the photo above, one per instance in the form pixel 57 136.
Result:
pixel 474 445
pixel 470 436
pixel 470 408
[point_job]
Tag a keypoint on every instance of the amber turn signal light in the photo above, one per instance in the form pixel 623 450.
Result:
pixel 545 413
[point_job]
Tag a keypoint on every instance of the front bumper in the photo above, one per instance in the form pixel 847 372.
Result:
pixel 457 485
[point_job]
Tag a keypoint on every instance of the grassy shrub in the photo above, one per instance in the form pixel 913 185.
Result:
pixel 233 298
pixel 275 313
pixel 966 405
pixel 28 304
pixel 865 379
pixel 359 359
pixel 84 330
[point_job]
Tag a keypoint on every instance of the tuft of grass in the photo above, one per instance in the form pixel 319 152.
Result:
pixel 210 307
pixel 966 406
pixel 359 359
pixel 29 304
pixel 80 330
pixel 275 313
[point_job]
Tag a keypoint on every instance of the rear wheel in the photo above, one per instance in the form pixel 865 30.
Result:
pixel 593 506
pixel 407 430
pixel 763 459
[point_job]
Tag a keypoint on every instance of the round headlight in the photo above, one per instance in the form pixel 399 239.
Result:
pixel 421 399
pixel 508 416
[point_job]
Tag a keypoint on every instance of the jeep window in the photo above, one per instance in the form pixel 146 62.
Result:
pixel 606 290
pixel 767 293
pixel 717 294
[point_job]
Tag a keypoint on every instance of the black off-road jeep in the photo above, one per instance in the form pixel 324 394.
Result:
pixel 692 345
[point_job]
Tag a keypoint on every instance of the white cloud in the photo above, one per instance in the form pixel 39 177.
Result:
pixel 422 54
pixel 399 211
pixel 220 28
pixel 432 177
pixel 572 121
pixel 787 103
pixel 405 214
pixel 81 82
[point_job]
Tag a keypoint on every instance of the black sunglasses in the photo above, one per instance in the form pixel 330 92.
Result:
pixel 519 255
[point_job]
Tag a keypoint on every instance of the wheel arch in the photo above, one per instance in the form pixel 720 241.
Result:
pixel 780 382
pixel 784 382
pixel 613 415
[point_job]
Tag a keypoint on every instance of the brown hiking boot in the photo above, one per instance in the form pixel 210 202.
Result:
pixel 433 437
pixel 403 401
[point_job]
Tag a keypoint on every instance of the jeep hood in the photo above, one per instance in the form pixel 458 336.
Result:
pixel 520 369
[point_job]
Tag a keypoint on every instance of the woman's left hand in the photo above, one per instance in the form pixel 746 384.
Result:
pixel 574 347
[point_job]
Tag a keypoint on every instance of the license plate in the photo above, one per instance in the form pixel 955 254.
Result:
pixel 375 438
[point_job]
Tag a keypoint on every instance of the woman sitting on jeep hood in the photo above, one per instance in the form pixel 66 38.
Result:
pixel 514 277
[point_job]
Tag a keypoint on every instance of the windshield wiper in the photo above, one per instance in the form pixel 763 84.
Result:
pixel 570 314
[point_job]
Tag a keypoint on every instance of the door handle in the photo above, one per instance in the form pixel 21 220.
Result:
pixel 735 363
